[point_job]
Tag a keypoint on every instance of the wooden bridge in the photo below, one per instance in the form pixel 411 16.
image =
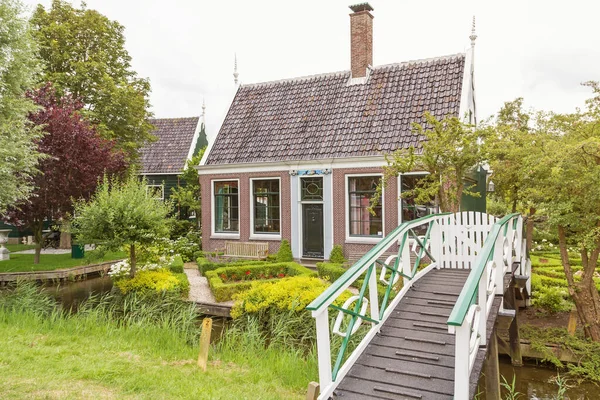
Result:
pixel 424 319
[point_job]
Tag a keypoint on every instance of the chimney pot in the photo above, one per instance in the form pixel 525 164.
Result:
pixel 361 39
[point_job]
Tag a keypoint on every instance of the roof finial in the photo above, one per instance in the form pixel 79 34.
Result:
pixel 235 71
pixel 473 35
pixel 203 111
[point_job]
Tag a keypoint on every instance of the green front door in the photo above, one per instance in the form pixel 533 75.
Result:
pixel 312 231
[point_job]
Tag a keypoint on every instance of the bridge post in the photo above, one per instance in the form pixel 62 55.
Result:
pixel 513 329
pixel 492 369
pixel 462 361
pixel 323 348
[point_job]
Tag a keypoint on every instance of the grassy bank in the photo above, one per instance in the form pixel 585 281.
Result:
pixel 50 262
pixel 140 354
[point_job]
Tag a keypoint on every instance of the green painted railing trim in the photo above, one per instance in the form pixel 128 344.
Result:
pixel 469 291
pixel 365 260
pixel 395 271
pixel 355 314
pixel 357 307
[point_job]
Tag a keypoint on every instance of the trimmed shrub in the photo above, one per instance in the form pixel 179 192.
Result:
pixel 285 252
pixel 330 271
pixel 158 281
pixel 176 265
pixel 227 281
pixel 205 265
pixel 337 255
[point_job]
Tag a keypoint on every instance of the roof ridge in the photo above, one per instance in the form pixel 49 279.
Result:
pixel 340 73
pixel 420 60
pixel 296 79
pixel 169 118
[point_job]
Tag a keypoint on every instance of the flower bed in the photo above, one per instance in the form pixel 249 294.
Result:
pixel 227 281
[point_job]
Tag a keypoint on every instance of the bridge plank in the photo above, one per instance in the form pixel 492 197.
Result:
pixel 395 365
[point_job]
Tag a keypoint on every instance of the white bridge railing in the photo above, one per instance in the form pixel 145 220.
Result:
pixel 468 321
pixel 449 241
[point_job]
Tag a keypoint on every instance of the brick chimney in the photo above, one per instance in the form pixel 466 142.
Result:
pixel 361 38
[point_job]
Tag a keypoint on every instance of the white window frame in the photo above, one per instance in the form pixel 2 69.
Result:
pixel 362 239
pixel 264 236
pixel 162 191
pixel 223 235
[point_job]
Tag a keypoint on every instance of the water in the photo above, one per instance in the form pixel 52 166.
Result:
pixel 71 294
pixel 535 383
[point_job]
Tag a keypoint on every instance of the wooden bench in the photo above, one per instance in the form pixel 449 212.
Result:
pixel 258 250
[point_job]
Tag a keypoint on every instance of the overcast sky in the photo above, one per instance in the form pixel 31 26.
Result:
pixel 539 49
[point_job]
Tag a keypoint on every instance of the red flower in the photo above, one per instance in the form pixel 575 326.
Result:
pixel 281 275
pixel 247 272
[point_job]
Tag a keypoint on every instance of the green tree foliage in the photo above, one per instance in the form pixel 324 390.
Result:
pixel 558 174
pixel 187 196
pixel 83 54
pixel 450 150
pixel 18 154
pixel 567 171
pixel 122 214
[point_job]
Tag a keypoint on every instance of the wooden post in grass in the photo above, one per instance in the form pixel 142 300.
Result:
pixel 204 343
pixel 572 327
pixel 313 391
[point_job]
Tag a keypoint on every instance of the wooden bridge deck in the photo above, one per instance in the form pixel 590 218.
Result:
pixel 412 357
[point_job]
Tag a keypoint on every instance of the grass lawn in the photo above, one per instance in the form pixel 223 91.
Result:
pixel 81 358
pixel 19 247
pixel 50 262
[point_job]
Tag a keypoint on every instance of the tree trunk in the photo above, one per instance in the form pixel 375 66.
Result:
pixel 587 303
pixel 584 293
pixel 37 235
pixel 132 270
pixel 65 240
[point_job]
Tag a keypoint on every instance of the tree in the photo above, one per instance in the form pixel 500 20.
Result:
pixel 510 140
pixel 122 214
pixel 83 54
pixel 76 157
pixel 450 151
pixel 566 190
pixel 18 155
pixel 187 196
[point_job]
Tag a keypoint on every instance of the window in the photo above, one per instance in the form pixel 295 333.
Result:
pixel 156 191
pixel 362 222
pixel 410 209
pixel 226 207
pixel 265 206
pixel 312 189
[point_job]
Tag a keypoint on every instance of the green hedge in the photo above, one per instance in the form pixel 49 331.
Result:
pixel 177 265
pixel 224 291
pixel 205 265
pixel 330 271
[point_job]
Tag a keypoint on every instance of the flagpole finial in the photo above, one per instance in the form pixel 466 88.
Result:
pixel 235 69
pixel 473 35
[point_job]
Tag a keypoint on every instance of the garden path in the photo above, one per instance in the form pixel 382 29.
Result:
pixel 199 289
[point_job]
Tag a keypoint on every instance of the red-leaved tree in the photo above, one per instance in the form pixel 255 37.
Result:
pixel 77 157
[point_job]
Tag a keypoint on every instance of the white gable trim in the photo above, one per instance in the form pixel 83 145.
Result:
pixel 350 162
pixel 467 95
pixel 194 141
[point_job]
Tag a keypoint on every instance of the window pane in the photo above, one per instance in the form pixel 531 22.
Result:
pixel 361 221
pixel 312 188
pixel 266 206
pixel 226 206
pixel 410 209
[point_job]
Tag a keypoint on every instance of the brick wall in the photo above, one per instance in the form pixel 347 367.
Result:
pixel 339 208
pixel 390 209
pixel 209 244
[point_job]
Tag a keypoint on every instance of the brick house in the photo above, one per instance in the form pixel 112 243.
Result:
pixel 299 159
pixel 162 161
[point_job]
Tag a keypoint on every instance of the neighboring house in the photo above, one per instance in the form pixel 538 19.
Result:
pixel 162 161
pixel 299 159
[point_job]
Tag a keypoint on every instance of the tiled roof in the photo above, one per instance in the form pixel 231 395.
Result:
pixel 169 153
pixel 324 116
